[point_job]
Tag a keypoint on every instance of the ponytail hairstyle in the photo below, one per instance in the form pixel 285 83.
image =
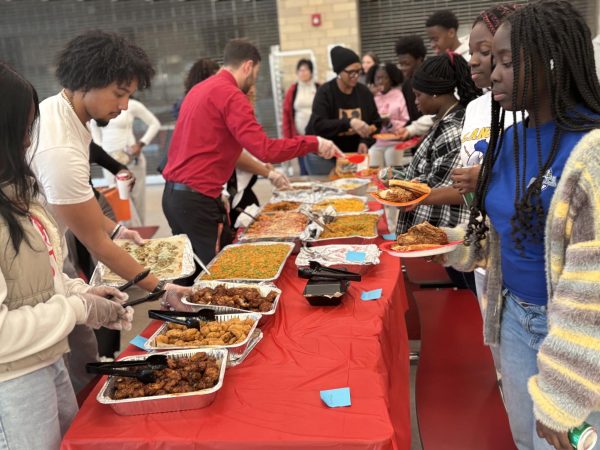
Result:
pixel 18 185
pixel 443 74
pixel 549 36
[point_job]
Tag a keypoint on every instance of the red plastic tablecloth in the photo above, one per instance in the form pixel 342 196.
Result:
pixel 271 401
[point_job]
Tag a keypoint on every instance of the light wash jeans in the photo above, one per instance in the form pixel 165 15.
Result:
pixel 315 165
pixel 36 409
pixel 524 327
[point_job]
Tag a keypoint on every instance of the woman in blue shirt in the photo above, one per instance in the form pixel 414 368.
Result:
pixel 544 67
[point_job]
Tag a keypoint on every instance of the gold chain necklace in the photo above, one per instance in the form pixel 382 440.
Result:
pixel 447 111
pixel 64 95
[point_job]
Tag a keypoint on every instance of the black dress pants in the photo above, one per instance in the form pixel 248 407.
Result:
pixel 203 219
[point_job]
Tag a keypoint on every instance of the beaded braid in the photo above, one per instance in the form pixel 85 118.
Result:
pixel 550 33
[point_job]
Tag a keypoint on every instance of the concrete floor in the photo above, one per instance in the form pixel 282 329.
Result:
pixel 155 216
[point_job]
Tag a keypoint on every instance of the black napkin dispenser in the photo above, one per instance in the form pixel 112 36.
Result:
pixel 326 286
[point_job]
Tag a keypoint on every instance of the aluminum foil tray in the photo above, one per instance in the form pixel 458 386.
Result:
pixel 362 185
pixel 170 402
pixel 188 267
pixel 346 240
pixel 235 350
pixel 265 289
pixel 251 280
pixel 335 256
pixel 335 197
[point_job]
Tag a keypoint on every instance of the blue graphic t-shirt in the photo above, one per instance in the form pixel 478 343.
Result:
pixel 523 271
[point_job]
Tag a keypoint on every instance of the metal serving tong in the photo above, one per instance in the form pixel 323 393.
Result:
pixel 148 298
pixel 189 319
pixel 144 373
pixel 316 271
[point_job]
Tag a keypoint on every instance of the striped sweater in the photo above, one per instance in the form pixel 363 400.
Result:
pixel 567 388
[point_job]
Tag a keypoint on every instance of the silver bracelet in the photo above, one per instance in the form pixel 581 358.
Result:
pixel 115 231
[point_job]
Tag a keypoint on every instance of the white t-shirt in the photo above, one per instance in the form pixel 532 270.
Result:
pixel 118 134
pixel 305 94
pixel 61 160
pixel 476 129
pixel 463 48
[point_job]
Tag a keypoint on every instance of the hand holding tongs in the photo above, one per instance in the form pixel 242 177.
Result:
pixel 189 319
pixel 148 298
pixel 316 270
pixel 139 277
pixel 145 374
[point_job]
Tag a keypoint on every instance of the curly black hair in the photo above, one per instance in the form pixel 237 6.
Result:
pixel 411 45
pixel 392 71
pixel 445 18
pixel 96 59
pixel 200 71
pixel 549 36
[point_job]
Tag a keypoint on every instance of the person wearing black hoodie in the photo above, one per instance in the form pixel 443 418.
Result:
pixel 343 111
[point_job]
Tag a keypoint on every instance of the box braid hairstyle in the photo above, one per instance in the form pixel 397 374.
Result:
pixel 551 33
pixel 443 74
pixel 495 15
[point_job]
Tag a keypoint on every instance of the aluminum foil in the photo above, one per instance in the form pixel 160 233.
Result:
pixel 253 280
pixel 170 402
pixel 362 185
pixel 188 267
pixel 235 350
pixel 314 232
pixel 264 289
pixel 335 256
pixel 336 197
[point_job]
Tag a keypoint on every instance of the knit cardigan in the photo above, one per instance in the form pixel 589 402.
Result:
pixel 567 388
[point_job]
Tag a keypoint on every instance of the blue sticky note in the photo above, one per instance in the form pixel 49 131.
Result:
pixel 358 257
pixel 139 342
pixel 371 295
pixel 389 237
pixel 335 398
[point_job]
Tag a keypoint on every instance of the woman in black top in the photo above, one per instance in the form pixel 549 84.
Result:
pixel 343 111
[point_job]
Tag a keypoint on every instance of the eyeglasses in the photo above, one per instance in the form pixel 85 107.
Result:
pixel 352 73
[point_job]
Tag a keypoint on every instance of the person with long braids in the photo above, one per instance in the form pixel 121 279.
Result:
pixel 535 224
pixel 435 84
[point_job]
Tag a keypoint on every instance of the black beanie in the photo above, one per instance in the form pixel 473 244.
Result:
pixel 342 57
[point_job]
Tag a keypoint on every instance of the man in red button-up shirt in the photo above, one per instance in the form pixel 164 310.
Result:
pixel 215 122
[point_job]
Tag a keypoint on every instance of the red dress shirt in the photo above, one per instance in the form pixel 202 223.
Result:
pixel 215 122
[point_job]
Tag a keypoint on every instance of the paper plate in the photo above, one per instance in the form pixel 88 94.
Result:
pixel 387 247
pixel 407 145
pixel 390 203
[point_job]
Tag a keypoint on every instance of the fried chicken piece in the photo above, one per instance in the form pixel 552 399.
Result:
pixel 422 234
pixel 397 194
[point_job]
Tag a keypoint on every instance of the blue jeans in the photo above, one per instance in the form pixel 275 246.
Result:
pixel 524 327
pixel 36 409
pixel 315 165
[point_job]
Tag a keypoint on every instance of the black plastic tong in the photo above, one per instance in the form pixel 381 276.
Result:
pixel 144 373
pixel 148 298
pixel 189 319
pixel 317 271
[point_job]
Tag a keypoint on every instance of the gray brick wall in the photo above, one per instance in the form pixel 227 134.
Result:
pixel 174 33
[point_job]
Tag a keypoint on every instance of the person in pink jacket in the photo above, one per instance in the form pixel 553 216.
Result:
pixel 391 106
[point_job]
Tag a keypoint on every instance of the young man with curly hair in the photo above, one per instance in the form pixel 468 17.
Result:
pixel 98 72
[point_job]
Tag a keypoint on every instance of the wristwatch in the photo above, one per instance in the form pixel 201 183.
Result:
pixel 160 286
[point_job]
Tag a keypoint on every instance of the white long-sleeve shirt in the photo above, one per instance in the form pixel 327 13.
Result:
pixel 118 134
pixel 28 330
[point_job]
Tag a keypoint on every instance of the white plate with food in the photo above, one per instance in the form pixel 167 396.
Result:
pixel 420 240
pixel 431 251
